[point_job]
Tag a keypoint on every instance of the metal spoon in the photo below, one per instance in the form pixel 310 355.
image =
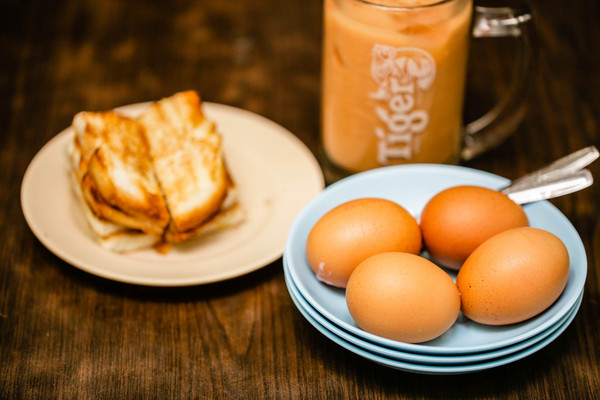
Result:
pixel 563 176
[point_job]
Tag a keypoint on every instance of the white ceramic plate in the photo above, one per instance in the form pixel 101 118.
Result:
pixel 276 176
pixel 412 186
pixel 437 369
pixel 444 359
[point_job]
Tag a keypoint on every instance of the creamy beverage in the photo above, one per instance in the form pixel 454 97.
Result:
pixel 393 81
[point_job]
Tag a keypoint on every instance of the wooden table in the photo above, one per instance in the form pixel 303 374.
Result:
pixel 68 334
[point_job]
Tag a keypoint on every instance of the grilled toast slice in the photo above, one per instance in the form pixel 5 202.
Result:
pixel 115 174
pixel 186 152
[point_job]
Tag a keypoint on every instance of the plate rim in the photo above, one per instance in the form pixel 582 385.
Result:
pixel 417 358
pixel 430 369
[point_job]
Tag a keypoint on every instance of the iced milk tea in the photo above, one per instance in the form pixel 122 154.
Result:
pixel 393 81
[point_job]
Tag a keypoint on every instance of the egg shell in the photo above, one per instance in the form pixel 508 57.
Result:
pixel 457 220
pixel 402 297
pixel 513 276
pixel 353 231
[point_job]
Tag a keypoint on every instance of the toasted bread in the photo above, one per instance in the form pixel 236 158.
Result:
pixel 155 180
pixel 115 173
pixel 187 157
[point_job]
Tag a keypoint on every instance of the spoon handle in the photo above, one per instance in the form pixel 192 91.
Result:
pixel 560 168
pixel 549 189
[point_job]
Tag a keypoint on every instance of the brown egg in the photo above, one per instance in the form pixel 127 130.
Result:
pixel 353 231
pixel 402 297
pixel 457 220
pixel 513 276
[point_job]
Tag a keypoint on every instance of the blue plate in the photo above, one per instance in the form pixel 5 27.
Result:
pixel 414 357
pixel 412 186
pixel 435 369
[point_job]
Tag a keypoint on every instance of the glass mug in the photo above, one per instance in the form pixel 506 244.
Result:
pixel 394 81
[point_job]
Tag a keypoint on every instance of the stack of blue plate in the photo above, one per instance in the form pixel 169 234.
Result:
pixel 467 346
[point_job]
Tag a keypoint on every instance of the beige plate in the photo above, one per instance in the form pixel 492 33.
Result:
pixel 276 176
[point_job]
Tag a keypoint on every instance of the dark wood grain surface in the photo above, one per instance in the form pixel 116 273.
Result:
pixel 68 334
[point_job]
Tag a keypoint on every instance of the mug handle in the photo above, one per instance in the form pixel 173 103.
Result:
pixel 501 121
